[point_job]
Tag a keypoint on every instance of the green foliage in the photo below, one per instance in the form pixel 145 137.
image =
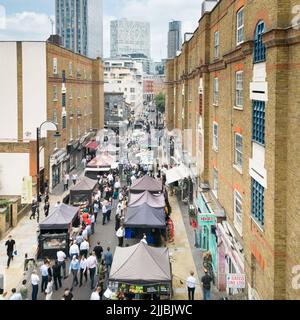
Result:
pixel 160 101
pixel 4 203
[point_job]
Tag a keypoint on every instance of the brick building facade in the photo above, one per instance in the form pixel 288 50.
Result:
pixel 45 82
pixel 235 87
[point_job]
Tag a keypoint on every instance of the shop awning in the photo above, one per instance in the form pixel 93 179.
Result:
pixel 92 145
pixel 177 173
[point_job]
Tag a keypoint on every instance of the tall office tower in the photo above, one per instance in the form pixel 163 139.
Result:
pixel 127 37
pixel 174 38
pixel 80 24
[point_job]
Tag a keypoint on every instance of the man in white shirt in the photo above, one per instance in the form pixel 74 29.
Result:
pixel 61 258
pixel 83 270
pixel 133 178
pixel 35 279
pixel 121 234
pixel 74 250
pixel 15 295
pixel 92 265
pixel 144 239
pixel 45 275
pixel 191 285
pixel 104 212
pixel 95 295
pixel 84 248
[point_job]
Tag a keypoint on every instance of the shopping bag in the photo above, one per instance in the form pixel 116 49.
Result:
pixel 108 293
pixel 15 253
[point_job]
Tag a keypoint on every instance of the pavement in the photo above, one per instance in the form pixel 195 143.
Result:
pixel 181 256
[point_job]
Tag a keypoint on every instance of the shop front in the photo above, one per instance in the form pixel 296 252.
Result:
pixel 231 272
pixel 208 214
pixel 72 150
pixel 57 167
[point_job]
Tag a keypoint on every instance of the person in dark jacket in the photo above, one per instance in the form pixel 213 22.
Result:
pixel 56 271
pixel 46 209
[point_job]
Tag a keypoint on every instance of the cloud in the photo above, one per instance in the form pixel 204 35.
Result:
pixel 27 26
pixel 159 14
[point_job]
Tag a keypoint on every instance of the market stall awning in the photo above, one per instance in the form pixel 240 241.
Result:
pixel 145 216
pixel 153 200
pixel 59 217
pixel 177 173
pixel 86 184
pixel 103 160
pixel 92 145
pixel 141 264
pixel 146 183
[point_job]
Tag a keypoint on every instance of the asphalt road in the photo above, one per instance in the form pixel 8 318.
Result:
pixel 106 235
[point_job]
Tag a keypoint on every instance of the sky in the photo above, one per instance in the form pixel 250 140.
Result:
pixel 29 19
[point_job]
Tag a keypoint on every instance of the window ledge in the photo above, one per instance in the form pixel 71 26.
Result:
pixel 257 224
pixel 238 169
pixel 215 193
pixel 238 108
pixel 238 228
pixel 216 104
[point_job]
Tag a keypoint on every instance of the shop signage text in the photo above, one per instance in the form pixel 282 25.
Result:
pixel 236 281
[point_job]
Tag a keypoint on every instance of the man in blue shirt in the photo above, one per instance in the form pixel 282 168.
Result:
pixel 108 259
pixel 45 274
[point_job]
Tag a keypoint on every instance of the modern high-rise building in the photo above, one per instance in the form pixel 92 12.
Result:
pixel 127 37
pixel 174 38
pixel 80 24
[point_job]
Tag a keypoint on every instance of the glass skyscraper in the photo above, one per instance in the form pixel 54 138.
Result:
pixel 129 37
pixel 80 24
pixel 174 38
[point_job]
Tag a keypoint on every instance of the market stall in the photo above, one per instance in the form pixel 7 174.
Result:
pixel 146 183
pixel 141 272
pixel 147 220
pixel 55 230
pixel 153 200
pixel 82 192
pixel 100 165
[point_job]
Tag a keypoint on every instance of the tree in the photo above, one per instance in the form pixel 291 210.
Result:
pixel 160 101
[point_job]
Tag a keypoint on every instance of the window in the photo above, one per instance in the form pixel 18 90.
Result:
pixel 259 47
pixel 70 69
pixel 258 203
pixel 238 145
pixel 71 133
pixel 215 136
pixel 239 101
pixel 238 212
pixel 216 44
pixel 55 116
pixel 240 27
pixel 258 126
pixel 216 92
pixel 55 94
pixel 78 130
pixel 132 90
pixel 216 181
pixel 55 69
pixel 71 91
pixel 78 93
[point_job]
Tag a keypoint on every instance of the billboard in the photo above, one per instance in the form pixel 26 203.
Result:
pixel 26 190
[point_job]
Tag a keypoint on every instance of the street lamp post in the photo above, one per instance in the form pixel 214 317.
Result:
pixel 38 136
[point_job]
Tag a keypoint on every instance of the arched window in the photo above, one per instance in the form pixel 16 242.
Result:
pixel 259 47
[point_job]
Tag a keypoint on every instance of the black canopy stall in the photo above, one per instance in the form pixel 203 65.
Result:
pixel 55 230
pixel 83 191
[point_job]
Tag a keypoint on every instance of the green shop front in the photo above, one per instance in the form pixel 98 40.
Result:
pixel 208 213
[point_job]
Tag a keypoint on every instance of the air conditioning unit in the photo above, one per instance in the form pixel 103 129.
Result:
pixel 200 90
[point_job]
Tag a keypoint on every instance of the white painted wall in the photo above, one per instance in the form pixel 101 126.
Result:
pixel 8 91
pixel 34 87
pixel 257 164
pixel 259 83
pixel 13 168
